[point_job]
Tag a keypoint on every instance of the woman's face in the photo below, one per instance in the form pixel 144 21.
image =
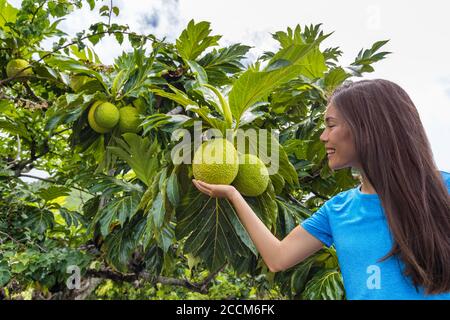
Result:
pixel 338 141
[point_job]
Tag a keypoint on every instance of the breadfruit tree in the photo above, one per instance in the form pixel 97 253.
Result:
pixel 115 204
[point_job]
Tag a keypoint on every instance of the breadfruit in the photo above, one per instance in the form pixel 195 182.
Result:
pixel 216 162
pixel 129 119
pixel 91 119
pixel 106 115
pixel 253 177
pixel 14 66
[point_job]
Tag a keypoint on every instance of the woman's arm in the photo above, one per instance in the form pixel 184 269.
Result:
pixel 278 255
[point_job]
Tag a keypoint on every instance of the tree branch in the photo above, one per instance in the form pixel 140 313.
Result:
pixel 32 94
pixel 201 287
pixel 320 196
pixel 37 178
pixel 51 181
pixel 110 12
pixel 293 199
pixel 35 13
pixel 18 74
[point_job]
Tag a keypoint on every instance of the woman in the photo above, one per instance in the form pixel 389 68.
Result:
pixel 391 233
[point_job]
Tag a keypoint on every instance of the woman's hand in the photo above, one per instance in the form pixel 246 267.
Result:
pixel 215 190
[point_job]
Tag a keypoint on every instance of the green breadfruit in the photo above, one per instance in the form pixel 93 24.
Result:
pixel 107 115
pixel 253 176
pixel 129 119
pixel 14 66
pixel 216 162
pixel 91 119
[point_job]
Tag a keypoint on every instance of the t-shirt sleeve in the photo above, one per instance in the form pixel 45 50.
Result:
pixel 318 225
pixel 446 177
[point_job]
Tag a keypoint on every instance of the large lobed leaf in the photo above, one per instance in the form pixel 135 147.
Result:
pixel 195 39
pixel 325 285
pixel 219 64
pixel 213 229
pixel 140 154
pixel 253 85
pixel 363 62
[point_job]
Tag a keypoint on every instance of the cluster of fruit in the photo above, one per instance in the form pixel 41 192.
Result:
pixel 104 116
pixel 18 68
pixel 218 162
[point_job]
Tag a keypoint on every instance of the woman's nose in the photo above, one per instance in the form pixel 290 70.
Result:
pixel 323 137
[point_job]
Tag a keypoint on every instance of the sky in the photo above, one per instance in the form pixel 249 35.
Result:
pixel 419 34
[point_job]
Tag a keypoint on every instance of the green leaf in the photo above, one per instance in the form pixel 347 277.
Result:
pixel 173 189
pixel 164 122
pixel 65 63
pixel 103 9
pixel 213 229
pixel 178 96
pixel 69 108
pixel 137 68
pixel 120 244
pixel 325 285
pixel 195 39
pixel 198 71
pixel 91 4
pixel 292 213
pixel 277 182
pixel 293 55
pixel 108 186
pixel 122 209
pixel 118 82
pixel 140 154
pixel 5 273
pixel 166 237
pixel 157 210
pixel 365 58
pixel 253 86
pixel 300 276
pixel 221 63
pixel 251 114
pixel 14 127
pixel 205 114
pixel 53 192
pixel 119 37
pixel 224 107
pixel 290 37
pixel 334 78
pixel 312 34
pixel 39 220
pixel 8 14
pixel 72 218
pixel 314 65
pixel 265 206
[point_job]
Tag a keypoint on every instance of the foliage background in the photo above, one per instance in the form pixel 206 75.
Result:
pixel 115 205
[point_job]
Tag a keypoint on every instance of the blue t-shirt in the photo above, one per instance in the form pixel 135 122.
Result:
pixel 355 223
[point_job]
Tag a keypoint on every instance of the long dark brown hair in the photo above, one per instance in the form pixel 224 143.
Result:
pixel 396 158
